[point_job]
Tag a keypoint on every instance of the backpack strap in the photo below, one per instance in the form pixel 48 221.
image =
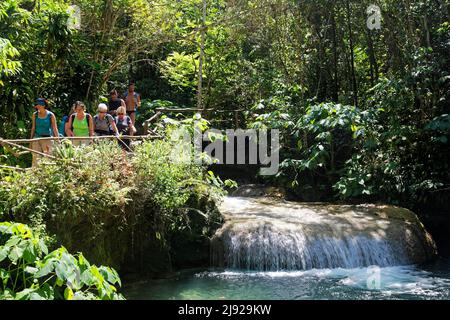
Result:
pixel 108 120
pixel 88 116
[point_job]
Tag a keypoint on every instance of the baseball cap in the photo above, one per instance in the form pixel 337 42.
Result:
pixel 40 102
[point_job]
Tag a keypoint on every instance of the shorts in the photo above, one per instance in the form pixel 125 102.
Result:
pixel 44 146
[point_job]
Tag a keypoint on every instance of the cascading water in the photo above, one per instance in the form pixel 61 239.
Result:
pixel 271 234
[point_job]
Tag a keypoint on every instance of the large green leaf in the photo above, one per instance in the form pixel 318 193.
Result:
pixel 15 254
pixel 3 253
pixel 68 294
pixel 43 293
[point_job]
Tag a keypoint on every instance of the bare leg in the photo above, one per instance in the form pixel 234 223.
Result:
pixel 36 146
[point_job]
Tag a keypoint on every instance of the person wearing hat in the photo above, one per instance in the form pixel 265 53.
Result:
pixel 43 126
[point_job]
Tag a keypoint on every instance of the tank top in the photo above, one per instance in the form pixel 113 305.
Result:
pixel 43 125
pixel 103 126
pixel 80 127
pixel 114 105
pixel 123 124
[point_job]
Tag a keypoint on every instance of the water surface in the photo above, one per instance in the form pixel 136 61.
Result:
pixel 404 282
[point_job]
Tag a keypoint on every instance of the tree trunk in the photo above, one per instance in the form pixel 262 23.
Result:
pixel 374 73
pixel 200 105
pixel 427 31
pixel 335 57
pixel 352 55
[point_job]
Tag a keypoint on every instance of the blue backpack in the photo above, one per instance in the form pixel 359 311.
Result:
pixel 62 126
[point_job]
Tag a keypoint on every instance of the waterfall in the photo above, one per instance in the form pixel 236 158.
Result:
pixel 268 234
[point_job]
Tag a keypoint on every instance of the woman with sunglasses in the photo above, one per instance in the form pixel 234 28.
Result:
pixel 124 126
pixel 104 124
pixel 43 126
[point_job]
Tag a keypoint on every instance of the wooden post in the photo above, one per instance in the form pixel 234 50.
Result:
pixel 147 122
pixel 13 168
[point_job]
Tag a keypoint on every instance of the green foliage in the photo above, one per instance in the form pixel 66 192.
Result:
pixel 324 138
pixel 363 113
pixel 97 191
pixel 29 272
pixel 84 192
pixel 174 186
pixel 174 182
pixel 147 109
pixel 180 70
pixel 8 67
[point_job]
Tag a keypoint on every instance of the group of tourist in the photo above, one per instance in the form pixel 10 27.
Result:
pixel 113 119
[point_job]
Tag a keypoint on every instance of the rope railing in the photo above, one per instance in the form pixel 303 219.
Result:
pixel 17 143
pixel 12 144
pixel 188 110
pixel 26 141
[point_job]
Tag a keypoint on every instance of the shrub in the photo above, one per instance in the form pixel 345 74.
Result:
pixel 100 201
pixel 29 272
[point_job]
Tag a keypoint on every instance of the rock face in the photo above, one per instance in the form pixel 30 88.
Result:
pixel 257 190
pixel 263 233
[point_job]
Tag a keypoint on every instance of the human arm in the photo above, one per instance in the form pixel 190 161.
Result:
pixel 132 130
pixel 114 127
pixel 33 126
pixel 112 124
pixel 91 127
pixel 54 126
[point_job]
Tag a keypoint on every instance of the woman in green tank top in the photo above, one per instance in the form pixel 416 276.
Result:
pixel 80 125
